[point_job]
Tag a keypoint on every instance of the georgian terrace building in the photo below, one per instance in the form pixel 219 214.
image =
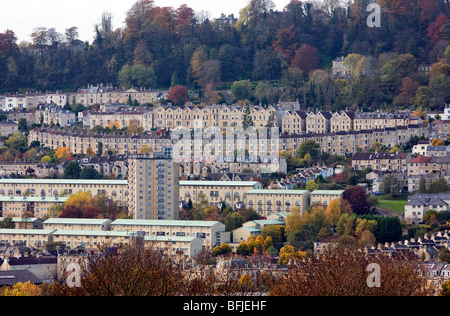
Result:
pixel 48 188
pixel 177 246
pixel 211 233
pixel 219 116
pixel 216 192
pixel 339 143
pixel 18 206
pixel 344 143
pixel 297 122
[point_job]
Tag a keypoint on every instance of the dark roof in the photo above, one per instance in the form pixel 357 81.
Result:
pixel 421 159
pixel 302 114
pixel 9 278
pixel 31 260
pixel 326 114
pixel 372 156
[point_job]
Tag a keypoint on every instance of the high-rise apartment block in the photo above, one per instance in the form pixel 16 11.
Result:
pixel 153 183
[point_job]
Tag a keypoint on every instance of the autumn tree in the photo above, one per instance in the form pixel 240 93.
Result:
pixel 63 153
pixel 336 208
pixel 135 128
pixel 197 62
pixel 434 29
pixel 357 198
pixel 80 199
pixel 179 95
pixel 408 92
pixel 346 273
pixel 306 59
pixel 22 289
pixel 288 253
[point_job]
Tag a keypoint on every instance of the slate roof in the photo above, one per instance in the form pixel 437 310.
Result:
pixel 9 278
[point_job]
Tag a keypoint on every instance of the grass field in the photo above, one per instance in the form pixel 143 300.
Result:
pixel 396 204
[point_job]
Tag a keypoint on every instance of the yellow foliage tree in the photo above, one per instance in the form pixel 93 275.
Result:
pixel 336 208
pixel 288 253
pixel 63 153
pixel 437 142
pixel 80 199
pixel 114 123
pixel 245 282
pixel 23 289
pixel 145 150
pixel 90 152
pixel 251 243
pixel 259 244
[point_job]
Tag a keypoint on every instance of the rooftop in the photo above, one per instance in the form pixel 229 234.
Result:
pixel 76 221
pixel 61 181
pixel 32 199
pixel 269 191
pixel 327 192
pixel 150 222
pixel 26 231
pixel 220 183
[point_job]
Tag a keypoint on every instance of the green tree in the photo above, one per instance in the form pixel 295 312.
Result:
pixel 72 170
pixel 89 173
pixel 137 76
pixel 310 147
pixel 243 249
pixel 445 289
pixel 6 222
pixel 23 125
pixel 17 143
pixel 233 221
pixel 242 90
pixel 273 234
pixel 247 119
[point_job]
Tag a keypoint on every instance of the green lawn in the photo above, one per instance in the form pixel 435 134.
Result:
pixel 396 204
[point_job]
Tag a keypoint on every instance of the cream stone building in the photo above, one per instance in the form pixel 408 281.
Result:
pixel 26 237
pixel 153 186
pixel 266 202
pixel 215 116
pixel 378 120
pixel 393 162
pixel 334 143
pixel 293 122
pixel 54 115
pixel 216 192
pixel 114 189
pixel 79 224
pixel 25 222
pixel 8 127
pixel 106 94
pixel 58 98
pixel 17 167
pixel 211 233
pixel 18 206
pixel 178 248
pixel 91 239
pixel 342 121
pixel 121 119
pixel 324 197
pixel 318 122
pixel 428 166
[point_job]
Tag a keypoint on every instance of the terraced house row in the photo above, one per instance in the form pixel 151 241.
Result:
pixel 87 96
pixel 167 117
pixel 289 120
pixel 340 143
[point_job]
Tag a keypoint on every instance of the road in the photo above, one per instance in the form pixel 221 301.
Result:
pixel 387 212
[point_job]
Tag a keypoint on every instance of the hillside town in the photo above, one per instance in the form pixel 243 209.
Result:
pixel 123 155
pixel 295 151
